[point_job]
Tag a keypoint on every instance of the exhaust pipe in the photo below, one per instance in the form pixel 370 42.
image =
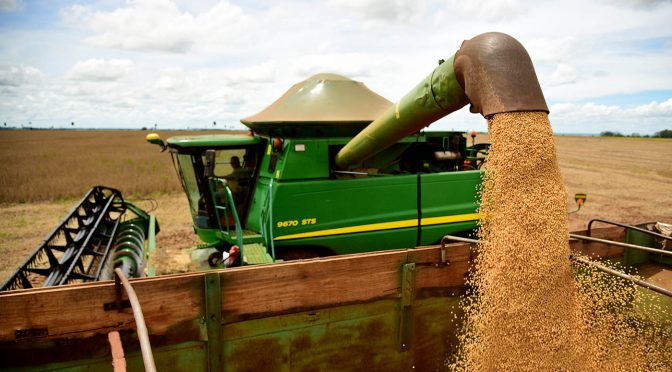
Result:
pixel 492 72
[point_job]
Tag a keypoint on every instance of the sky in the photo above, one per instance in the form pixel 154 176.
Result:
pixel 602 64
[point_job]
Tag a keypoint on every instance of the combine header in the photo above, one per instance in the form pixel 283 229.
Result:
pixel 94 238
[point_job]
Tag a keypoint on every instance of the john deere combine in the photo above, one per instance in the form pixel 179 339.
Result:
pixel 290 190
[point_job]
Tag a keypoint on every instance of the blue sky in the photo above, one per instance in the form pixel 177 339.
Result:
pixel 603 65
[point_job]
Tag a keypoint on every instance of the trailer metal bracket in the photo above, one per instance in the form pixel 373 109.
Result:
pixel 119 303
pixel 213 320
pixel 405 309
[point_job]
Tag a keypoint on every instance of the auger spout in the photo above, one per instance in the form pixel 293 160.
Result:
pixel 492 72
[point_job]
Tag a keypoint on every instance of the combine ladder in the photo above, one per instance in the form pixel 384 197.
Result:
pixel 77 249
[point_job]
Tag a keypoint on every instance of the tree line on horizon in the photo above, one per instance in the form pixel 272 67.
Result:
pixel 665 133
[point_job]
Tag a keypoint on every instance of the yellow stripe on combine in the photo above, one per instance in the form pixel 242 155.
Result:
pixel 449 219
pixel 383 226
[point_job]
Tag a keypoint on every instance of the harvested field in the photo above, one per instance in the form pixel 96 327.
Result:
pixel 53 165
pixel 45 172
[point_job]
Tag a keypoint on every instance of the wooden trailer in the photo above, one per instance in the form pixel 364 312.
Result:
pixel 383 311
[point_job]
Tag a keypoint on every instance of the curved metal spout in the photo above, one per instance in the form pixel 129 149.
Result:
pixel 492 72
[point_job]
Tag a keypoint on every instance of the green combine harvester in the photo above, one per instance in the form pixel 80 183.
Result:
pixel 283 192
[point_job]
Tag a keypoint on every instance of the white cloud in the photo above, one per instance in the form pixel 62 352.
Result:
pixel 595 118
pixel 640 3
pixel 382 10
pixel 11 5
pixel 655 109
pixel 352 65
pixel 552 49
pixel 564 74
pixel 76 13
pixel 16 75
pixel 588 110
pixel 159 25
pixel 173 83
pixel 488 10
pixel 261 73
pixel 100 70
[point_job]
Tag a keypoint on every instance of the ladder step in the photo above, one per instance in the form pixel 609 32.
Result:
pixel 255 254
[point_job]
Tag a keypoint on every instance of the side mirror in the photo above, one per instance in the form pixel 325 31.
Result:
pixel 154 139
pixel 209 166
pixel 580 200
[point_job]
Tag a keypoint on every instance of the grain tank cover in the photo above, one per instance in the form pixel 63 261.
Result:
pixel 323 104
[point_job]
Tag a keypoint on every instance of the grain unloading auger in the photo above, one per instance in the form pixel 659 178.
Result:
pixel 492 72
pixel 102 232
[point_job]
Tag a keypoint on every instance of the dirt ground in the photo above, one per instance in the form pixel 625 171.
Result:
pixel 629 180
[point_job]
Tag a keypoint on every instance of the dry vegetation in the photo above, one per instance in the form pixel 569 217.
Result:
pixel 53 165
pixel 45 172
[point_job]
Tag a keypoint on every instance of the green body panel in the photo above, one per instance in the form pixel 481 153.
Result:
pixel 447 194
pixel 319 206
pixel 634 257
pixel 259 201
pixel 304 159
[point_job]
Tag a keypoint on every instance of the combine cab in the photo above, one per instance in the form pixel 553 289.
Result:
pixel 279 194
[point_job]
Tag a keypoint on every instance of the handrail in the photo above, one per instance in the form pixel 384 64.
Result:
pixel 575 236
pixel 596 265
pixel 232 207
pixel 458 239
pixel 622 275
pixel 620 244
pixel 239 229
pixel 213 186
pixel 270 217
pixel 145 346
pixel 590 224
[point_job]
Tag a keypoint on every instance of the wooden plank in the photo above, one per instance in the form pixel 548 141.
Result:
pixel 599 250
pixel 430 273
pixel 300 285
pixel 248 292
pixel 167 302
pixel 77 311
